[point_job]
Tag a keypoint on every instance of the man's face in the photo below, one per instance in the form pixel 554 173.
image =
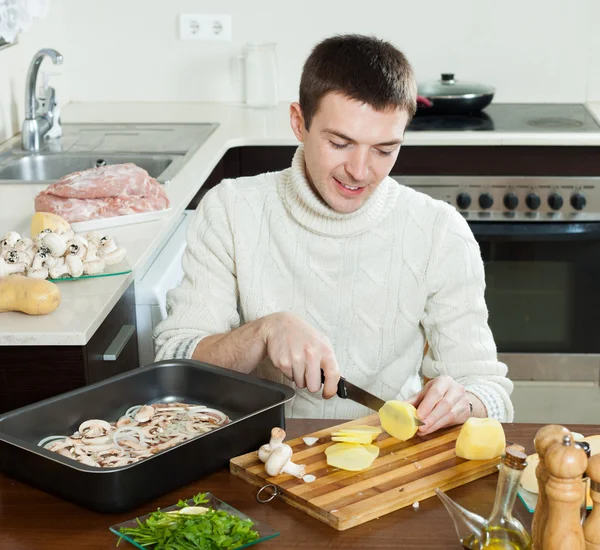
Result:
pixel 349 149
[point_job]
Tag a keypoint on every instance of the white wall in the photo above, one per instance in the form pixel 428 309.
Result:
pixel 116 50
pixel 14 62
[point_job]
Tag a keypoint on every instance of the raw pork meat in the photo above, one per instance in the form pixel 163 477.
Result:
pixel 104 192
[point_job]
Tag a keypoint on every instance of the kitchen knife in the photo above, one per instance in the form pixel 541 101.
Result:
pixel 347 390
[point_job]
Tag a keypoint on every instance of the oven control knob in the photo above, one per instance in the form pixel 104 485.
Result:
pixel 463 201
pixel 511 201
pixel 555 201
pixel 533 201
pixel 486 200
pixel 578 201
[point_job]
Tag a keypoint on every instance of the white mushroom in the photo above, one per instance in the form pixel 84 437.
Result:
pixel 51 261
pixel 115 256
pixel 107 245
pixel 280 462
pixel 55 243
pixel 7 268
pixel 75 265
pixel 94 237
pixel 13 256
pixel 39 238
pixel 24 244
pixel 92 252
pixel 78 246
pixel 9 240
pixel 66 234
pixel 277 437
pixel 58 271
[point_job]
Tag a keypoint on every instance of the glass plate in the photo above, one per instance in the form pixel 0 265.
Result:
pixel 529 499
pixel 121 268
pixel 264 531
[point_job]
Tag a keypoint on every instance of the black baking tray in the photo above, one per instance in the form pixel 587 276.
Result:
pixel 254 406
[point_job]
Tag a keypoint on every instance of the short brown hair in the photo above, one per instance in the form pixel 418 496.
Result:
pixel 362 68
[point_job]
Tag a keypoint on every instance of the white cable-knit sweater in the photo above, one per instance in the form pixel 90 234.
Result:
pixel 379 282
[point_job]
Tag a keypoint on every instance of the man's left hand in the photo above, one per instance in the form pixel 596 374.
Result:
pixel 442 402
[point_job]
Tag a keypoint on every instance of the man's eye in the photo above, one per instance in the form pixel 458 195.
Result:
pixel 384 153
pixel 338 145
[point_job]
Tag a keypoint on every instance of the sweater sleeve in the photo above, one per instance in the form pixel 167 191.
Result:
pixel 456 318
pixel 205 302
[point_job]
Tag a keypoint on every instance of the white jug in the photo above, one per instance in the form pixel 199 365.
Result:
pixel 261 84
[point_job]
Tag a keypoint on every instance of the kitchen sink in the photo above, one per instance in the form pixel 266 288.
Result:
pixel 55 166
pixel 160 149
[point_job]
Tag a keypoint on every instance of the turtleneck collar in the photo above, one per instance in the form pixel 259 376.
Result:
pixel 310 211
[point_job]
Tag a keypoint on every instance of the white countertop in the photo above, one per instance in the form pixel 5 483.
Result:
pixel 86 303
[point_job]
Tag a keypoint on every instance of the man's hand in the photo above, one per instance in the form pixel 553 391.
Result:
pixel 300 352
pixel 444 402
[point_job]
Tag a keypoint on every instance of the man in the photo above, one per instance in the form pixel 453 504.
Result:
pixel 331 264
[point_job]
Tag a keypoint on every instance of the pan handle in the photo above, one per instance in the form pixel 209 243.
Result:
pixel 341 388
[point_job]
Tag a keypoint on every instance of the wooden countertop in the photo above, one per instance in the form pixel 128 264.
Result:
pixel 31 519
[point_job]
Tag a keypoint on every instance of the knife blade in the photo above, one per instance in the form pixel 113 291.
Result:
pixel 347 390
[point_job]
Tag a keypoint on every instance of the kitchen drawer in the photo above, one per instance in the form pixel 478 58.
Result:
pixel 32 373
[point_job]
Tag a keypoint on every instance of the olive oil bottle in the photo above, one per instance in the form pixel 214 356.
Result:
pixel 501 531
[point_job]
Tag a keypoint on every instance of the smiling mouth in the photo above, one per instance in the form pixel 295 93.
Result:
pixel 349 189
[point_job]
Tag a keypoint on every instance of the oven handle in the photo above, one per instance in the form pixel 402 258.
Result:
pixel 530 231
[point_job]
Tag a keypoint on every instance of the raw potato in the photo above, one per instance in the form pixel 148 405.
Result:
pixel 361 430
pixel 342 447
pixel 480 439
pixel 355 459
pixel 397 419
pixel 46 220
pixel 28 295
pixel 363 439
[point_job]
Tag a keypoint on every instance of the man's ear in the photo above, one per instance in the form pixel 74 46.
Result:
pixel 297 121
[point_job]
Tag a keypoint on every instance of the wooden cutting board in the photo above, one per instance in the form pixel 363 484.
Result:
pixel 404 473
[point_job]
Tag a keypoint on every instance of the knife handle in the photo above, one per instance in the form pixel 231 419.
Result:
pixel 341 388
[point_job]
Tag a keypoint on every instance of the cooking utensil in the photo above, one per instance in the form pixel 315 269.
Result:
pixel 404 473
pixel 347 390
pixel 451 96
pixel 254 406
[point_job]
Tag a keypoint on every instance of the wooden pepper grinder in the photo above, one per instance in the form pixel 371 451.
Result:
pixel 544 438
pixel 591 526
pixel 566 463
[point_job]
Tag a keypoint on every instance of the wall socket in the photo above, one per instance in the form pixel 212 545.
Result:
pixel 205 26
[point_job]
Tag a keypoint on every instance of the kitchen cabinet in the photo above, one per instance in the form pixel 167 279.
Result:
pixel 31 373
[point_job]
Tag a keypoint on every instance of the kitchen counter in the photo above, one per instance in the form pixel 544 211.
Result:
pixel 86 303
pixel 34 520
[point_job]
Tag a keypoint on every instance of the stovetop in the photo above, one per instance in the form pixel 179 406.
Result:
pixel 513 117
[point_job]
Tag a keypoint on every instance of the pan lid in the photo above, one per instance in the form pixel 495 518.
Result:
pixel 448 87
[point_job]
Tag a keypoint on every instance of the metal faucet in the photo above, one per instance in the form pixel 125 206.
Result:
pixel 38 117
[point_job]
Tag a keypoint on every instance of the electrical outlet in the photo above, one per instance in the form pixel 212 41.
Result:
pixel 205 26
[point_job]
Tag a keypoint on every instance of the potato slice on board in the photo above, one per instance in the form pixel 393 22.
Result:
pixel 354 460
pixel 398 419
pixel 362 429
pixel 341 447
pixel 364 439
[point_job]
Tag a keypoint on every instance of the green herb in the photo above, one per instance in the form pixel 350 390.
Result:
pixel 213 530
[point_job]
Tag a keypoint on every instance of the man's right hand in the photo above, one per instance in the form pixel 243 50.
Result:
pixel 300 352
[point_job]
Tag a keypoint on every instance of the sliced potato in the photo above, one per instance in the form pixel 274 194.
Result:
pixel 398 419
pixel 528 479
pixel 364 439
pixel 341 447
pixel 354 460
pixel 362 429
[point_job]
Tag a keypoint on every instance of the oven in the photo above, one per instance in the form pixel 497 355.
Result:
pixel 535 213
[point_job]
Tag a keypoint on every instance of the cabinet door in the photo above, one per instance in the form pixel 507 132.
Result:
pixel 114 349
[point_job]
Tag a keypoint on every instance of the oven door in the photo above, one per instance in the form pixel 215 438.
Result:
pixel 543 296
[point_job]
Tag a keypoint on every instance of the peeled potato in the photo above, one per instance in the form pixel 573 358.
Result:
pixel 480 439
pixel 341 447
pixel 46 220
pixel 355 459
pixel 398 419
pixel 594 441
